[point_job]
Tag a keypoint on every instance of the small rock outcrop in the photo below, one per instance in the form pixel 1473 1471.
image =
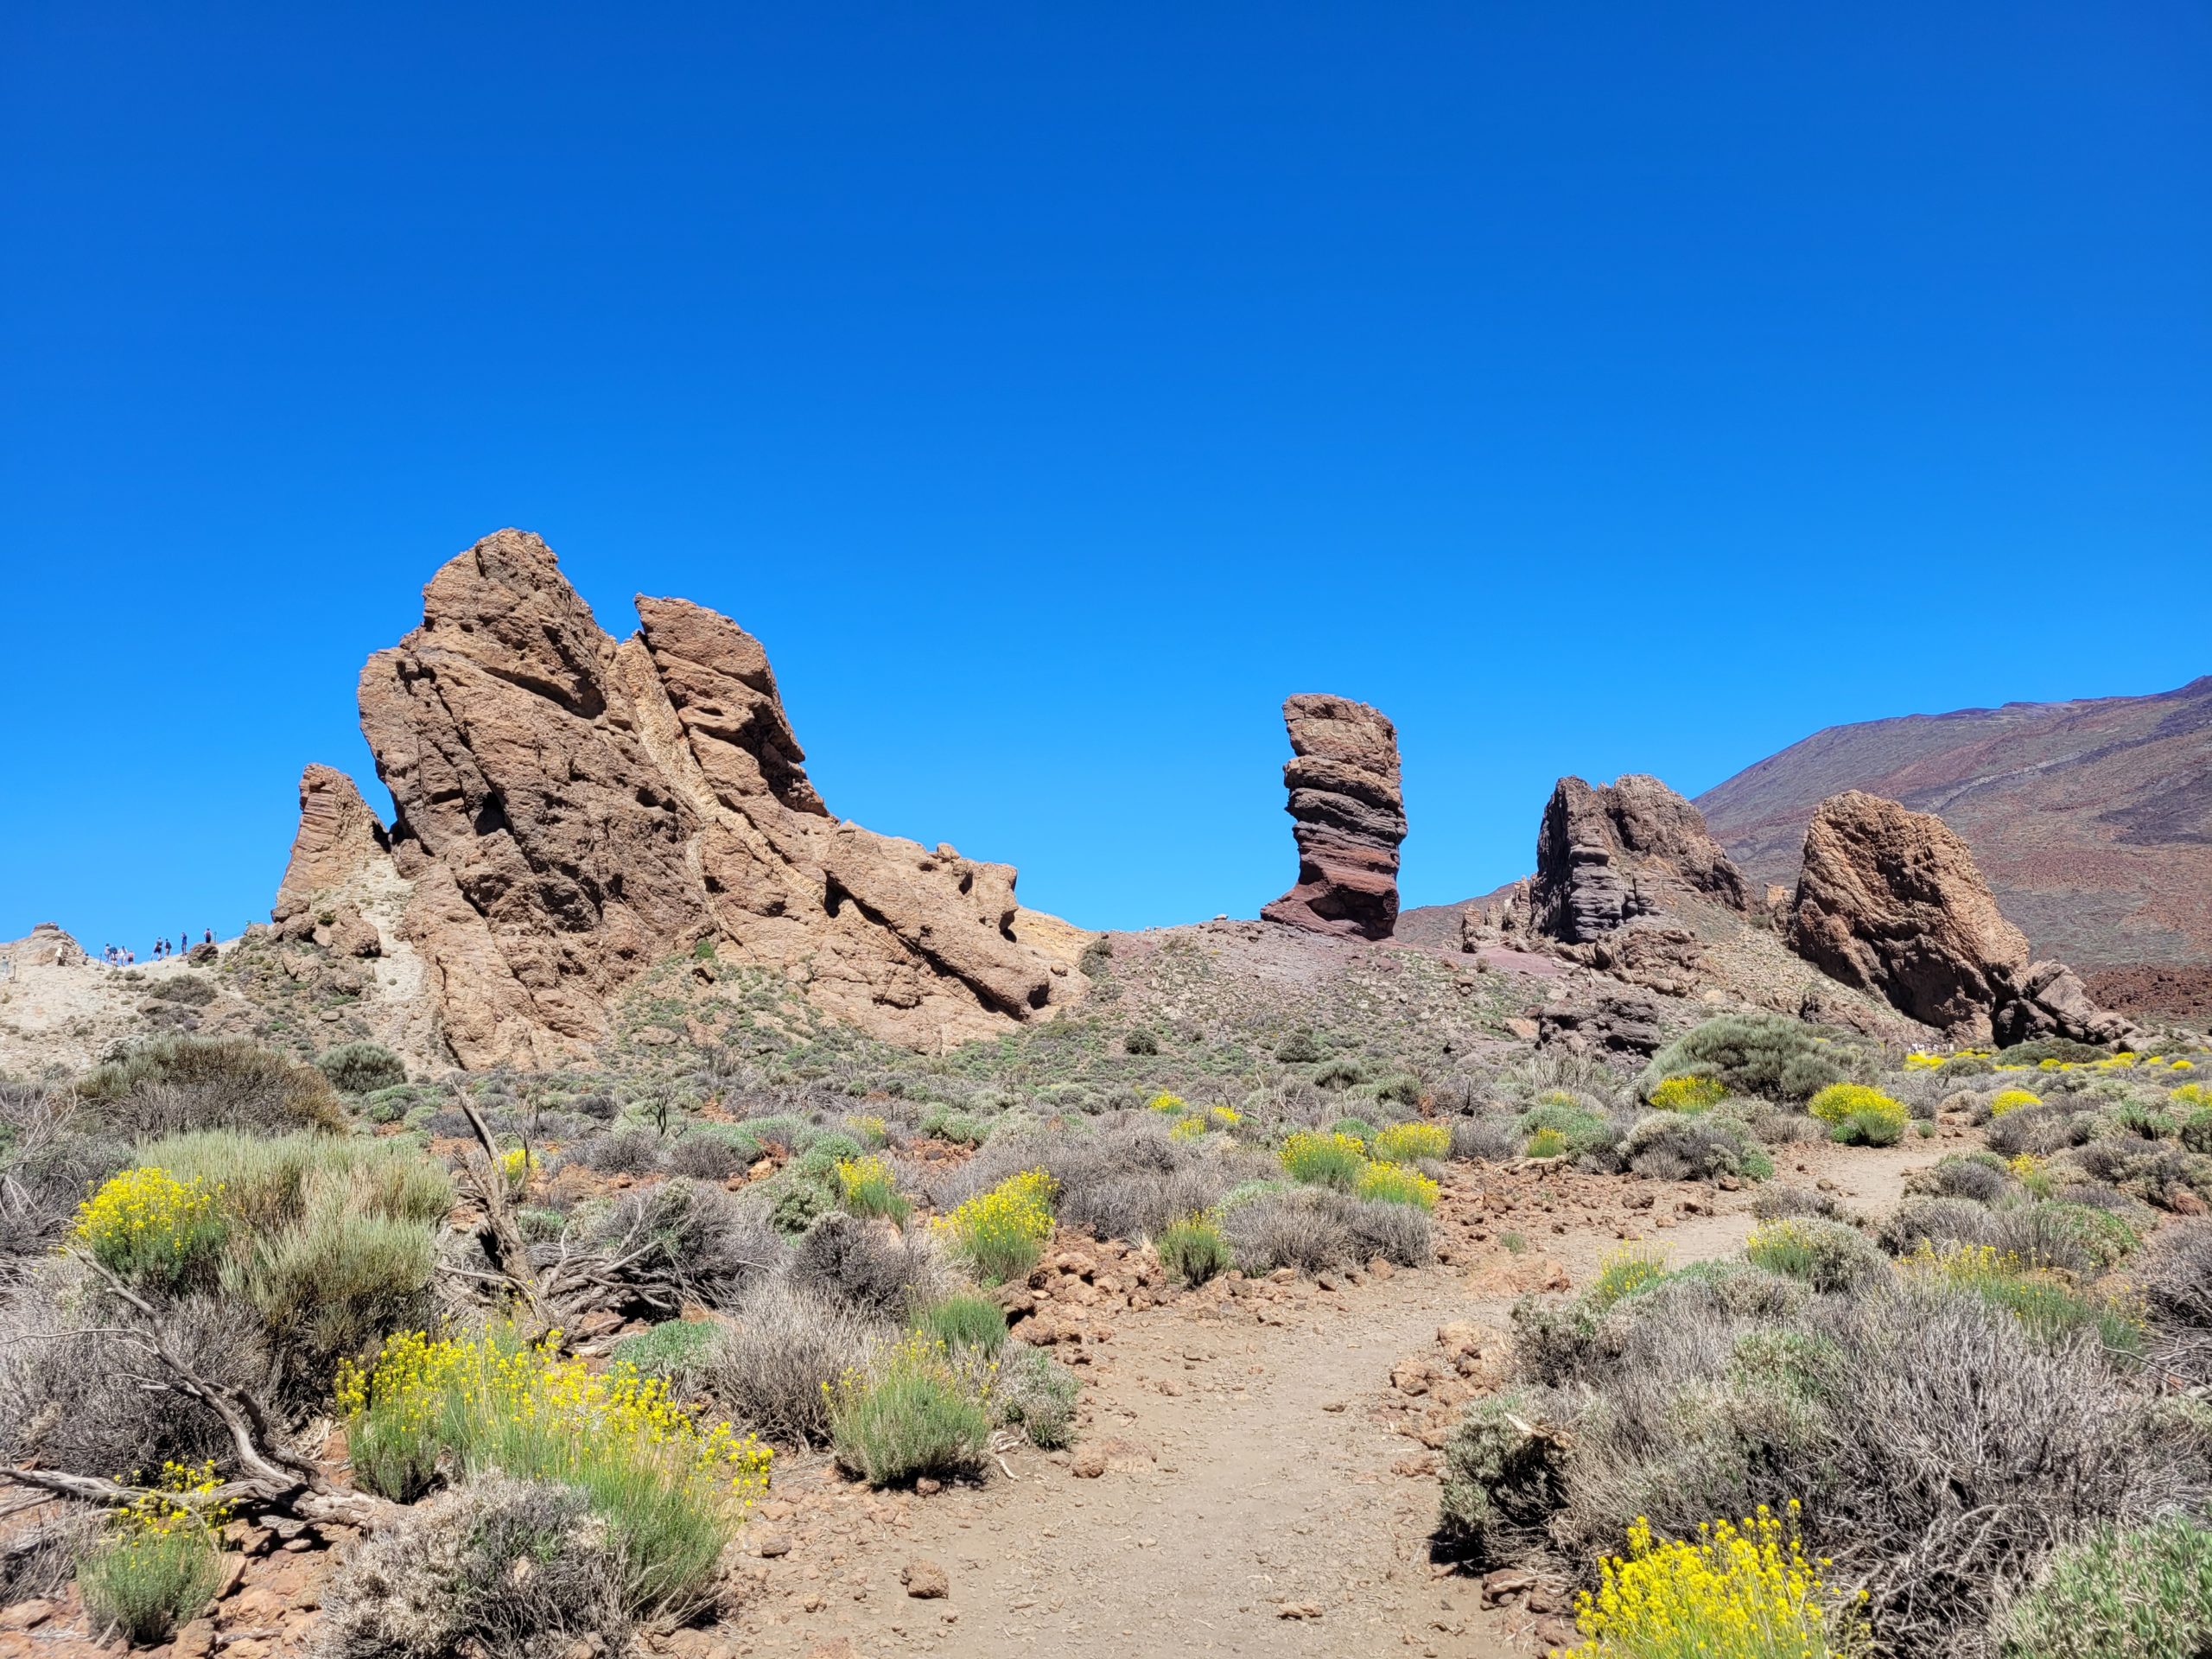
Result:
pixel 338 843
pixel 1891 901
pixel 571 810
pixel 1349 818
pixel 1607 854
pixel 46 945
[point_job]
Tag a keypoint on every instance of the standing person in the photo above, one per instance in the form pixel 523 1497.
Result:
pixel 207 936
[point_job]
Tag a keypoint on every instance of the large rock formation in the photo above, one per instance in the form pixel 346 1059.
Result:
pixel 1608 854
pixel 1349 818
pixel 1890 900
pixel 571 810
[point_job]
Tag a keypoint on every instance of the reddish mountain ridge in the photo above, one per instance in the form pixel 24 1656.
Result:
pixel 2092 819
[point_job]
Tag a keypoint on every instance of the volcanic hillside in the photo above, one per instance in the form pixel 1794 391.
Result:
pixel 2091 819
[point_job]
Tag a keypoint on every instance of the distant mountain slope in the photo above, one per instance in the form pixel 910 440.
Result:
pixel 2091 820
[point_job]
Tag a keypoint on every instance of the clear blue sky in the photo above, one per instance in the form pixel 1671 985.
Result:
pixel 1054 388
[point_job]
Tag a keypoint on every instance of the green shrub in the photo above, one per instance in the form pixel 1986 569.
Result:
pixel 674 1351
pixel 1825 1255
pixel 1546 1143
pixel 1298 1049
pixel 1624 1273
pixel 964 1321
pixel 1502 1480
pixel 334 1284
pixel 799 1205
pixel 176 1083
pixel 159 1562
pixel 1322 1160
pixel 823 1153
pixel 1341 1073
pixel 1769 1055
pixel 2143 1593
pixel 1358 1129
pixel 1193 1249
pixel 2048 1307
pixel 1406 1143
pixel 2197 1130
pixel 1036 1393
pixel 1578 1128
pixel 1401 1089
pixel 359 1068
pixel 911 1413
pixel 1141 1041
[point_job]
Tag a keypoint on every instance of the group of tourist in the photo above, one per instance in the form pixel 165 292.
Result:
pixel 117 956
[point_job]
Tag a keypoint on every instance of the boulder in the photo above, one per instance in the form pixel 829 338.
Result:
pixel 571 810
pixel 1607 854
pixel 46 945
pixel 1609 1025
pixel 1348 817
pixel 1891 902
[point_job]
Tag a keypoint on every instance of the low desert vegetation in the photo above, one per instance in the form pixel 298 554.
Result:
pixel 1985 1404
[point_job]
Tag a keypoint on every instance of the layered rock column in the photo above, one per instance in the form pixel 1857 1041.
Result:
pixel 1608 854
pixel 1348 818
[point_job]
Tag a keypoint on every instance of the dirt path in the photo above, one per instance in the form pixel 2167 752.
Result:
pixel 1262 1493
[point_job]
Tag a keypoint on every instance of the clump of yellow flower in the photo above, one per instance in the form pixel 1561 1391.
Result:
pixel 516 1166
pixel 2192 1094
pixel 145 1224
pixel 1003 1232
pixel 1741 1590
pixel 1396 1184
pixel 1170 1105
pixel 1188 1129
pixel 2010 1100
pixel 159 1558
pixel 1688 1094
pixel 869 1129
pixel 1224 1117
pixel 1318 1156
pixel 1402 1143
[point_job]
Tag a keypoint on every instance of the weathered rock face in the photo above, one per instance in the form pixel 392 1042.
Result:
pixel 1891 901
pixel 1607 854
pixel 338 836
pixel 571 810
pixel 1349 818
pixel 46 945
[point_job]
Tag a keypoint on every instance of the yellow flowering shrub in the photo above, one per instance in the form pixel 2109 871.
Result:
pixel 1688 1094
pixel 1857 1112
pixel 1003 1232
pixel 1188 1129
pixel 2010 1100
pixel 159 1558
pixel 1170 1105
pixel 869 1129
pixel 1396 1184
pixel 1224 1117
pixel 2191 1094
pixel 670 1487
pixel 147 1226
pixel 1741 1590
pixel 1624 1272
pixel 1402 1143
pixel 518 1166
pixel 867 1186
pixel 1321 1158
